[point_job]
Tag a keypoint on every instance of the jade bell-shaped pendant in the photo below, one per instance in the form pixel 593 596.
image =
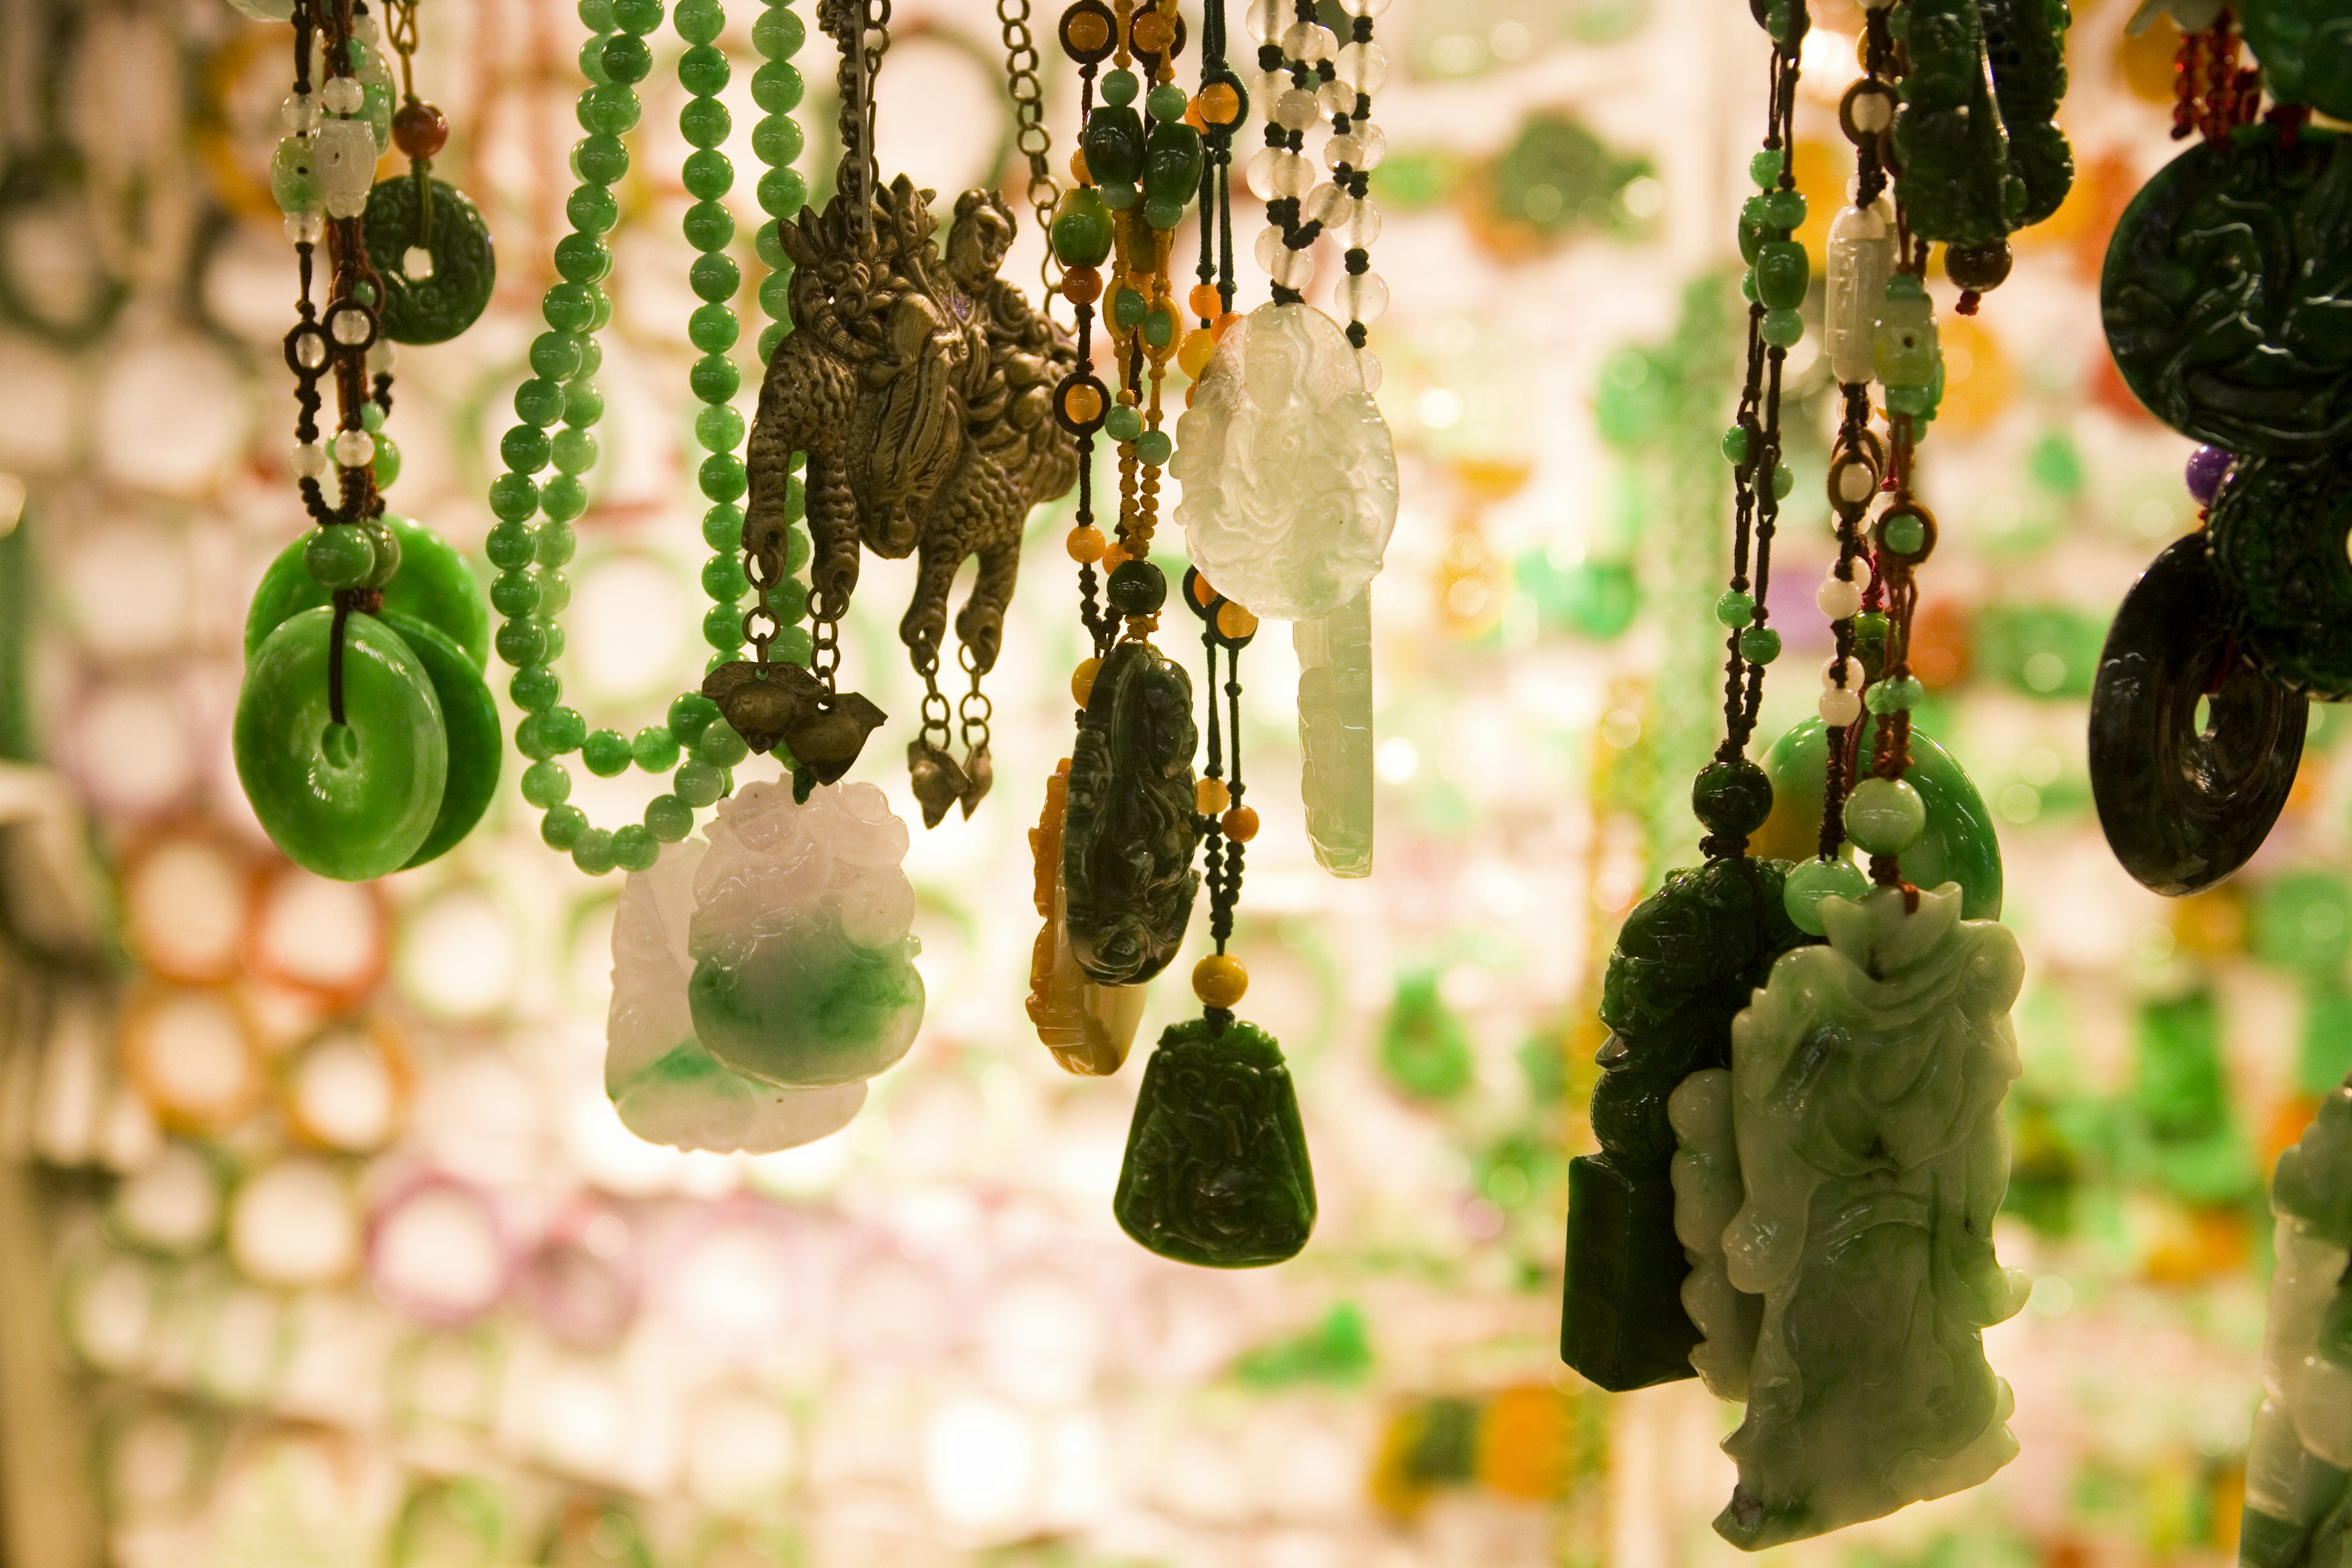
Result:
pixel 1836 1191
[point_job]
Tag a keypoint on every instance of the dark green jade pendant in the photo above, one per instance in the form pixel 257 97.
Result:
pixel 2305 48
pixel 2279 528
pixel 2225 291
pixel 1128 841
pixel 1981 150
pixel 1217 1172
pixel 1686 961
pixel 434 585
pixel 2185 802
pixel 475 743
pixel 353 801
pixel 455 268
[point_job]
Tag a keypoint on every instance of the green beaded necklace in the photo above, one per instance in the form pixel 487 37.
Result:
pixel 534 538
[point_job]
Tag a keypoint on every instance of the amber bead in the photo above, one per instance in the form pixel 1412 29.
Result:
pixel 1223 324
pixel 1210 797
pixel 1082 406
pixel 1202 594
pixel 1113 556
pixel 1217 104
pixel 1082 680
pixel 1149 33
pixel 1235 623
pixel 1086 543
pixel 1078 175
pixel 1081 285
pixel 1205 302
pixel 1219 981
pixel 1193 357
pixel 1240 824
pixel 420 130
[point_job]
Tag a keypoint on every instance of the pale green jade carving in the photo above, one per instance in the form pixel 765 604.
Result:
pixel 1335 734
pixel 1836 1191
pixel 2298 1492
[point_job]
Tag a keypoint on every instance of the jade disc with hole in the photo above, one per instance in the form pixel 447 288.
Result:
pixel 434 308
pixel 433 584
pixel 475 743
pixel 353 801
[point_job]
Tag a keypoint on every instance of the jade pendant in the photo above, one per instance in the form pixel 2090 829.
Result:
pixel 2184 801
pixel 2278 527
pixel 456 268
pixel 2298 1509
pixel 1981 152
pixel 476 746
pixel 1686 961
pixel 352 801
pixel 433 584
pixel 804 961
pixel 1836 1190
pixel 1089 1028
pixel 1217 1172
pixel 1129 834
pixel 2305 48
pixel 2221 293
pixel 1335 734
pixel 1960 845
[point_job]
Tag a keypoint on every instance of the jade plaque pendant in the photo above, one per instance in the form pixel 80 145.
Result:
pixel 1835 1189
pixel 1217 1172
pixel 2278 527
pixel 1686 961
pixel 1129 832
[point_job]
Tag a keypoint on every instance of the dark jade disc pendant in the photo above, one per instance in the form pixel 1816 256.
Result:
pixel 434 308
pixel 2182 807
pixel 2222 292
pixel 2278 529
pixel 1129 837
pixel 1686 961
pixel 1216 1171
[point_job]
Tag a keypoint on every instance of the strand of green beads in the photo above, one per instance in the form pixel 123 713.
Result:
pixel 776 140
pixel 530 590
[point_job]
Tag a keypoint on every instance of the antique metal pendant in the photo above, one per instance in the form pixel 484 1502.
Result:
pixel 918 387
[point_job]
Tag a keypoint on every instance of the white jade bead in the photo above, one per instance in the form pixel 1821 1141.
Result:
pixel 1362 148
pixel 1293 268
pixel 1840 707
pixel 1267 18
pixel 1296 109
pixel 342 94
pixel 1363 67
pixel 355 448
pixel 308 460
pixel 1309 42
pixel 1363 7
pixel 1364 297
pixel 1852 673
pixel 1336 97
pixel 382 357
pixel 305 228
pixel 298 113
pixel 1838 599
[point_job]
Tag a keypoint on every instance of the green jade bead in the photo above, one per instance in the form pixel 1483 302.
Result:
pixel 1735 444
pixel 561 828
pixel 1885 816
pixel 1119 195
pixel 1083 228
pixel 1167 103
pixel 1735 608
pixel 593 851
pixel 433 584
pixel 668 818
pixel 1958 846
pixel 545 784
pixel 1732 797
pixel 1765 168
pixel 1784 209
pixel 338 557
pixel 1810 881
pixel 1781 329
pixel 1217 1172
pixel 607 754
pixel 471 718
pixel 1153 449
pixel 1782 274
pixel 634 848
pixel 1760 644
pixel 1119 87
pixel 1114 145
pixel 655 749
pixel 1123 422
pixel 1903 534
pixel 354 801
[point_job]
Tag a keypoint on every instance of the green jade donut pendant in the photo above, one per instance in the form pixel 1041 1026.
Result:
pixel 449 291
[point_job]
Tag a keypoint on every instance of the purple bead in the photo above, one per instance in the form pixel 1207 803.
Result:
pixel 2208 467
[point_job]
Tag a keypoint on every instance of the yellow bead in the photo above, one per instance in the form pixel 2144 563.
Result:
pixel 1078 175
pixel 1086 543
pixel 1217 104
pixel 1082 403
pixel 1219 981
pixel 1205 302
pixel 1082 680
pixel 1224 324
pixel 1240 825
pixel 1203 595
pixel 1211 797
pixel 1114 555
pixel 1200 345
pixel 1234 622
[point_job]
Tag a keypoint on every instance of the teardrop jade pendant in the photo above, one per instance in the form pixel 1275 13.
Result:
pixel 1216 1171
pixel 352 801
pixel 1687 959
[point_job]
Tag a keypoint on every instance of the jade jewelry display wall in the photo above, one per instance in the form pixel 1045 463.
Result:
pixel 321 1239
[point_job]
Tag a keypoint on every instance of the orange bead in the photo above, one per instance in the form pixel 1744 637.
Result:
pixel 1079 174
pixel 1223 324
pixel 1210 796
pixel 1193 116
pixel 1205 302
pixel 1082 405
pixel 1193 357
pixel 1081 285
pixel 1217 104
pixel 1219 981
pixel 1240 825
pixel 1235 623
pixel 1086 543
pixel 1114 555
pixel 1082 680
pixel 1203 595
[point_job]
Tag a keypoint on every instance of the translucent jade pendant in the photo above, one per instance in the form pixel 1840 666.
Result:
pixel 1861 260
pixel 1335 734
pixel 804 972
pixel 1089 1028
pixel 1960 845
pixel 1687 960
pixel 433 584
pixel 1289 476
pixel 352 801
pixel 2298 1495
pixel 1216 1171
pixel 666 1086
pixel 1835 1189
pixel 471 721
